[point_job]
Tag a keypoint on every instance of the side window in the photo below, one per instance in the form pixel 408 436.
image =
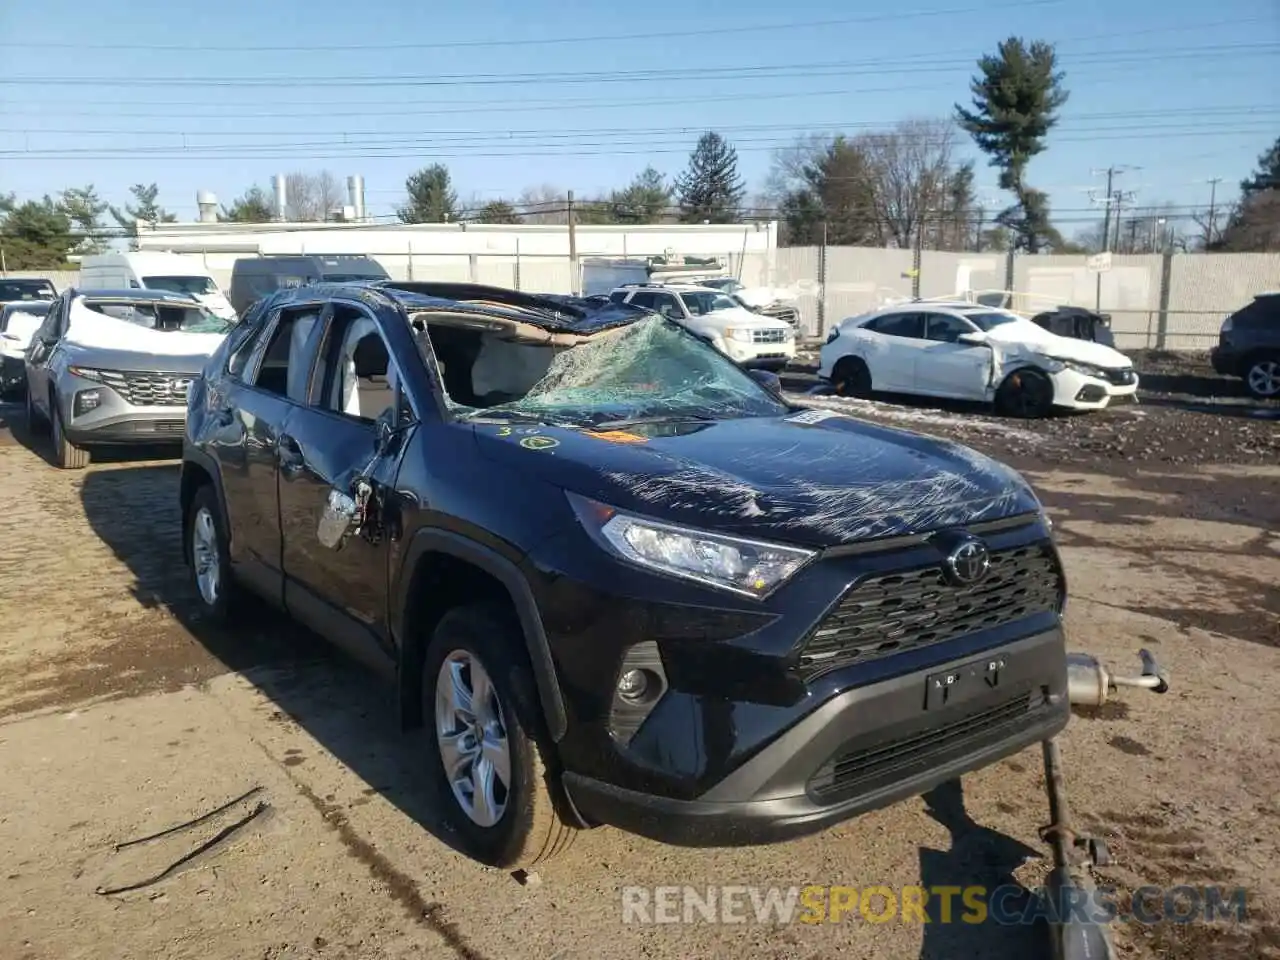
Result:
pixel 947 329
pixel 286 362
pixel 667 305
pixel 360 378
pixel 49 329
pixel 618 296
pixel 898 325
pixel 643 299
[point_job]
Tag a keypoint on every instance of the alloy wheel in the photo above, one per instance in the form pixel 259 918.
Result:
pixel 1264 378
pixel 472 736
pixel 204 555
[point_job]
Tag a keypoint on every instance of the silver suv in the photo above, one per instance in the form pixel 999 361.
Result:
pixel 113 368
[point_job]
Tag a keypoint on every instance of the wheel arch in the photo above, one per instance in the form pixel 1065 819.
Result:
pixel 198 470
pixel 443 569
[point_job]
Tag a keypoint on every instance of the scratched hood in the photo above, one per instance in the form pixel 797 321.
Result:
pixel 816 478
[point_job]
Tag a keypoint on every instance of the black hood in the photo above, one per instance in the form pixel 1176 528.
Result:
pixel 814 478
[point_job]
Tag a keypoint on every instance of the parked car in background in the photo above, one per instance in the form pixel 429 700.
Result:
pixel 253 278
pixel 1249 346
pixel 964 351
pixel 771 301
pixel 618 579
pixel 1077 322
pixel 112 367
pixel 18 322
pixel 746 337
pixel 23 289
pixel 183 274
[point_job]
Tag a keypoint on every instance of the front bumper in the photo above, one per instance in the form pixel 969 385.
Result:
pixel 864 749
pixel 114 421
pixel 1078 391
pixel 763 356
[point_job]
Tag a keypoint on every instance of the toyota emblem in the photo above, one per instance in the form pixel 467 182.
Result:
pixel 968 562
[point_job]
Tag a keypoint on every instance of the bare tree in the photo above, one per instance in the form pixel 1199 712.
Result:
pixel 543 204
pixel 913 171
pixel 310 196
pixel 788 165
pixel 1209 229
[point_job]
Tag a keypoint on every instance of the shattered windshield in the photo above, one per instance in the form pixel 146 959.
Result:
pixel 651 369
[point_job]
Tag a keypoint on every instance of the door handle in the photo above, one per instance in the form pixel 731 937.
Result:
pixel 289 454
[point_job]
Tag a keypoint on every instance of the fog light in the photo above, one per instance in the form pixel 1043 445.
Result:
pixel 85 401
pixel 633 685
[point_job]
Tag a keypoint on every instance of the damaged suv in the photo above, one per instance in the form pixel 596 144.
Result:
pixel 617 578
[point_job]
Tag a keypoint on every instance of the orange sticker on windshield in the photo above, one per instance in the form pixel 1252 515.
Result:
pixel 618 436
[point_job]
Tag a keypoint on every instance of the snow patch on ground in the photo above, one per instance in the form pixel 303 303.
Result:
pixel 916 418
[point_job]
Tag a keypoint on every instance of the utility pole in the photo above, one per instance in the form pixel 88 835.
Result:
pixel 1110 198
pixel 1213 216
pixel 573 250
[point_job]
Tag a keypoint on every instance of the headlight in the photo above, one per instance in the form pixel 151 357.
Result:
pixel 832 334
pixel 87 372
pixel 748 567
pixel 740 334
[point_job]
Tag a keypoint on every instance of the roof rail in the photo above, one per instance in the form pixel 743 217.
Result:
pixel 457 290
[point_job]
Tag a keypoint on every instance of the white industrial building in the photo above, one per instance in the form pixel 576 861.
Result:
pixel 527 256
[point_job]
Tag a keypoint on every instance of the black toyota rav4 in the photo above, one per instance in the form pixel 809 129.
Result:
pixel 616 577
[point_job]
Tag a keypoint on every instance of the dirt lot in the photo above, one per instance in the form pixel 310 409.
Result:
pixel 121 715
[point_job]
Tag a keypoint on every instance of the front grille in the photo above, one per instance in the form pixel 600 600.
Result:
pixel 769 336
pixel 149 389
pixel 789 314
pixel 889 613
pixel 868 766
pixel 1120 378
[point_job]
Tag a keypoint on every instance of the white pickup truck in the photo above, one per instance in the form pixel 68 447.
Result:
pixel 750 339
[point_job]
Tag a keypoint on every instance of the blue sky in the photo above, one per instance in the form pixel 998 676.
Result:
pixel 1185 91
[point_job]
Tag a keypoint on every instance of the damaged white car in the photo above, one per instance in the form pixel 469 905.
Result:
pixel 966 351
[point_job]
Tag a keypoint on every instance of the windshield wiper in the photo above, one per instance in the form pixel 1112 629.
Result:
pixel 494 413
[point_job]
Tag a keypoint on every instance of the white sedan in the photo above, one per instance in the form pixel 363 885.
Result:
pixel 965 351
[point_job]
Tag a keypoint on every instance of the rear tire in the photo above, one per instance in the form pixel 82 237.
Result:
pixel 480 708
pixel 852 378
pixel 65 453
pixel 1025 393
pixel 1262 376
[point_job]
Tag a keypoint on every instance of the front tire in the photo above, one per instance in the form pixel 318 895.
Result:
pixel 65 453
pixel 1025 393
pixel 209 557
pixel 1262 377
pixel 482 742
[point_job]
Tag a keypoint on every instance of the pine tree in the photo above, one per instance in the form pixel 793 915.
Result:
pixel 644 200
pixel 1254 225
pixel 1016 96
pixel 431 196
pixel 710 188
pixel 146 209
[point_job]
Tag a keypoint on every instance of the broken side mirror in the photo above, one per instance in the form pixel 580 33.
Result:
pixel 974 339
pixel 335 520
pixel 386 432
pixel 767 379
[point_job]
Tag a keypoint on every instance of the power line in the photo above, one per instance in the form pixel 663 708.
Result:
pixel 395 147
pixel 548 41
pixel 762 71
pixel 718 31
pixel 541 132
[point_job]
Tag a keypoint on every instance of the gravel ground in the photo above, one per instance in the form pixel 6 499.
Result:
pixel 121 714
